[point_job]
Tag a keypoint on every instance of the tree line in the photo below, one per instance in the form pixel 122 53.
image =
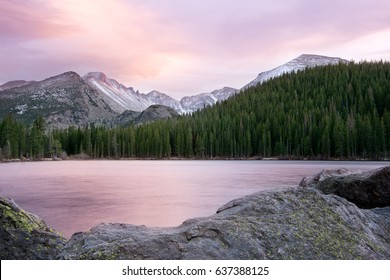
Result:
pixel 335 111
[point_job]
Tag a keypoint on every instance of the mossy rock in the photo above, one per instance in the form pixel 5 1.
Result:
pixel 26 236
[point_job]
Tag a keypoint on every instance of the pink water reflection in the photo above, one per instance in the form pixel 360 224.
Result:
pixel 74 196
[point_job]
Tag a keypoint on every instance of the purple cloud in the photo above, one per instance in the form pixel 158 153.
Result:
pixel 183 47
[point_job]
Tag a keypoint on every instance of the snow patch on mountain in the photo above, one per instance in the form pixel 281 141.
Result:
pixel 121 98
pixel 116 95
pixel 159 98
pixel 203 100
pixel 300 63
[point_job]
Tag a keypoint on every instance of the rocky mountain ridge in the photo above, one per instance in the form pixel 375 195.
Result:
pixel 14 84
pixel 65 100
pixel 61 100
pixel 119 97
pixel 122 98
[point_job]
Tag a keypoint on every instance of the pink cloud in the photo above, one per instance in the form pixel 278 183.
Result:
pixel 181 47
pixel 31 19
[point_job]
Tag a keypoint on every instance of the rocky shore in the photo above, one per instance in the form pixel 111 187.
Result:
pixel 24 236
pixel 336 214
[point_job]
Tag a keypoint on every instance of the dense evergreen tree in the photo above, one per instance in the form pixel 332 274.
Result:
pixel 335 111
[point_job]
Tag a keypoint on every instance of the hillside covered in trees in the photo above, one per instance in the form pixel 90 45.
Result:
pixel 340 111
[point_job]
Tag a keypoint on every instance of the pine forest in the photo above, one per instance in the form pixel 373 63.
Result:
pixel 329 112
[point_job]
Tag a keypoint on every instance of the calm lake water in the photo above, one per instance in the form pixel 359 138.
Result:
pixel 74 196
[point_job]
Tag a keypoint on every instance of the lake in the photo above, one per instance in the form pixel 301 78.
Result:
pixel 73 196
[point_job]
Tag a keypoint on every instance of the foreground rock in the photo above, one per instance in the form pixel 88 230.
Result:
pixel 25 236
pixel 366 189
pixel 298 223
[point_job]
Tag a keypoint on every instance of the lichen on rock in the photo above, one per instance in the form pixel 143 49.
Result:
pixel 26 236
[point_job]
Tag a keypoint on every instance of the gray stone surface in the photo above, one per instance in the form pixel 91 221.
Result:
pixel 25 236
pixel 366 189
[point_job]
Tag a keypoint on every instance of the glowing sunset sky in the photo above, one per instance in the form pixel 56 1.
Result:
pixel 183 47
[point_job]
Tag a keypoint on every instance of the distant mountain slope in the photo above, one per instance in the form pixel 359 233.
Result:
pixel 155 112
pixel 193 103
pixel 150 114
pixel 301 62
pixel 61 100
pixel 121 98
pixel 160 98
pixel 13 84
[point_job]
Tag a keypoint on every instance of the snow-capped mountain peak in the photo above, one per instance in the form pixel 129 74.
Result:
pixel 301 62
pixel 99 76
pixel 116 95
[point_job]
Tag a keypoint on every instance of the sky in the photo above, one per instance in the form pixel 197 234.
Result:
pixel 183 47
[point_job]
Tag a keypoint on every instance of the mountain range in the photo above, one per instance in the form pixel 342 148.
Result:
pixel 69 99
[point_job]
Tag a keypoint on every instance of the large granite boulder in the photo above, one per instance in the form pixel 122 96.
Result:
pixel 297 223
pixel 25 236
pixel 366 189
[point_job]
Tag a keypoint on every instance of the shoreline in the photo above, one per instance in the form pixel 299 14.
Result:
pixel 84 158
